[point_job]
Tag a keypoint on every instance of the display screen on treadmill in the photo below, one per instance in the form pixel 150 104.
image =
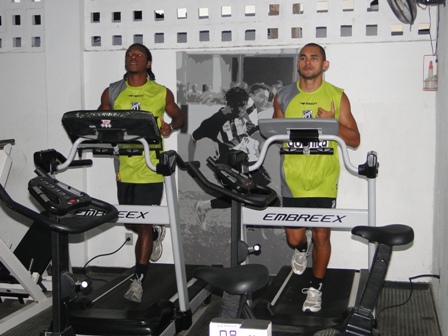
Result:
pixel 111 126
pixel 279 126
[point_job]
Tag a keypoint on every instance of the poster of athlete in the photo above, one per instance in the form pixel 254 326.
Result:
pixel 223 97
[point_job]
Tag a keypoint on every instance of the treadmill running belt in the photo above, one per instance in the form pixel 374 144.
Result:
pixel 287 310
pixel 113 315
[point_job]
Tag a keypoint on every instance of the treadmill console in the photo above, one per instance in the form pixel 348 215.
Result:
pixel 112 126
pixel 304 133
pixel 57 197
pixel 230 177
pixel 304 126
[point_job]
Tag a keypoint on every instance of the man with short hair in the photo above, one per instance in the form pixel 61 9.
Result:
pixel 312 180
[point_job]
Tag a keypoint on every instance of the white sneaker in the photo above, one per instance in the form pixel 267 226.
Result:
pixel 135 292
pixel 313 300
pixel 201 214
pixel 157 247
pixel 299 259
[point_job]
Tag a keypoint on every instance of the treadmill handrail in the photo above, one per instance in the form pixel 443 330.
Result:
pixel 79 141
pixel 285 137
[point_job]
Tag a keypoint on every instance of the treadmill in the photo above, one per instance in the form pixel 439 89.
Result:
pixel 172 294
pixel 281 301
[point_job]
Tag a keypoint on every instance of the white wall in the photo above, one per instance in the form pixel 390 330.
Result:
pixel 440 248
pixel 383 82
pixel 39 85
pixel 382 76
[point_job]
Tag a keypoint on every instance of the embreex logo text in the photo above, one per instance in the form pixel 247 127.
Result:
pixel 313 218
pixel 121 214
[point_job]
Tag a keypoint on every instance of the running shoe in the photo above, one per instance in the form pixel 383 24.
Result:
pixel 135 291
pixel 313 300
pixel 299 259
pixel 201 214
pixel 157 247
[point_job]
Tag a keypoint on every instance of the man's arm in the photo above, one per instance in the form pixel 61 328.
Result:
pixel 105 104
pixel 278 113
pixel 191 148
pixel 348 128
pixel 175 113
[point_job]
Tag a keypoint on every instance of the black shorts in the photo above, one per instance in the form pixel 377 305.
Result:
pixel 312 202
pixel 139 194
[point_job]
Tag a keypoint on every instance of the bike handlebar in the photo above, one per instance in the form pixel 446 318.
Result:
pixel 258 197
pixel 67 224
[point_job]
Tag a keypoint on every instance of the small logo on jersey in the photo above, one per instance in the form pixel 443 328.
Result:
pixel 105 124
pixel 292 145
pixel 135 106
pixel 307 114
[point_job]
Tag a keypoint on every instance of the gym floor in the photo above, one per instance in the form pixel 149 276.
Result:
pixel 416 317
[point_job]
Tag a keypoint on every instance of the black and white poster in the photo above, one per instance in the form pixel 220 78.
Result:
pixel 223 97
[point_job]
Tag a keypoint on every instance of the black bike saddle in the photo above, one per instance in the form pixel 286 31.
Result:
pixel 393 234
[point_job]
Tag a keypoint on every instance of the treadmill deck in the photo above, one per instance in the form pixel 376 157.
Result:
pixel 112 314
pixel 342 290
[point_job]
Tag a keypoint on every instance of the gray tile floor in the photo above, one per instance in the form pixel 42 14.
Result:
pixel 417 317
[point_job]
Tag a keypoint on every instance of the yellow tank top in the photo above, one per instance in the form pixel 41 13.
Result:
pixel 311 175
pixel 148 97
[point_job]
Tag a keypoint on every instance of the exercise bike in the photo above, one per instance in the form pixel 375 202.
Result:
pixel 59 200
pixel 237 283
pixel 23 271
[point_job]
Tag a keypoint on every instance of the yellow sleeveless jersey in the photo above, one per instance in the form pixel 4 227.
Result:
pixel 310 175
pixel 148 97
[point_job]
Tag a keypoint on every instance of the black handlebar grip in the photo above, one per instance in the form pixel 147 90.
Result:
pixel 77 163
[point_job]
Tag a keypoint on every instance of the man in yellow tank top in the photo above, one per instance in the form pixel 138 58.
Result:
pixel 136 183
pixel 311 180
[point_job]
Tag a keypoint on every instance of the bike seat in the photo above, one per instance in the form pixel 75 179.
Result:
pixel 393 234
pixel 235 280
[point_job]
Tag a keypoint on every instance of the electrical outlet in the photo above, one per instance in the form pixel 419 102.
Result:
pixel 129 238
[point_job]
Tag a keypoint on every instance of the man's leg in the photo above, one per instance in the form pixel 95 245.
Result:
pixel 202 207
pixel 321 251
pixel 295 236
pixel 141 194
pixel 144 244
pixel 143 248
pixel 321 257
pixel 298 238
